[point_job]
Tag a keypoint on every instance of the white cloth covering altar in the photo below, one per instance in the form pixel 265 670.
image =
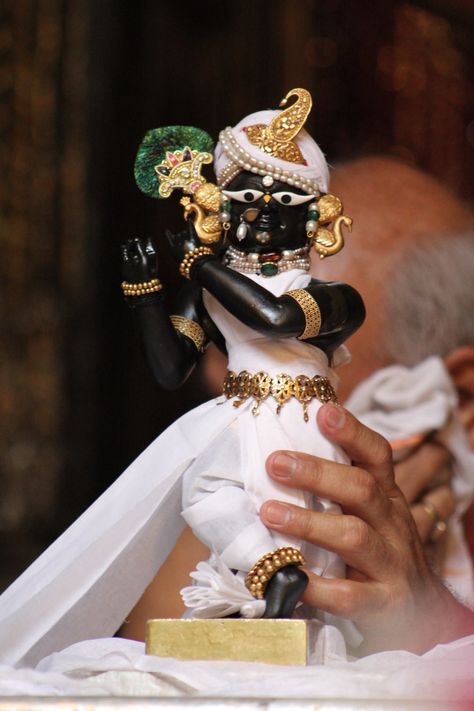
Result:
pixel 116 667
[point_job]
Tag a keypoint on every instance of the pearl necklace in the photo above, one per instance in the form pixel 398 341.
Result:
pixel 267 264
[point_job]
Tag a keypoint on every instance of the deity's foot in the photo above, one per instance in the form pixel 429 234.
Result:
pixel 284 591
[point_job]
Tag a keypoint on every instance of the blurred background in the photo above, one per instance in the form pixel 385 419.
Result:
pixel 81 81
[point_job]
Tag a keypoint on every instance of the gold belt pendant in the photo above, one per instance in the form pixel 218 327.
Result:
pixel 282 387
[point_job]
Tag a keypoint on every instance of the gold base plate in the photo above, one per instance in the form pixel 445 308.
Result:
pixel 287 642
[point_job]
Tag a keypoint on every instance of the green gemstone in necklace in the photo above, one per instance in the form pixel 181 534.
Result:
pixel 269 269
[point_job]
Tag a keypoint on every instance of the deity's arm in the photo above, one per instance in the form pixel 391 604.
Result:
pixel 174 337
pixel 249 302
pixel 342 312
pixel 339 308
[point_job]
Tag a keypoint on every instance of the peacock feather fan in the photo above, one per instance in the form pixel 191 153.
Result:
pixel 164 147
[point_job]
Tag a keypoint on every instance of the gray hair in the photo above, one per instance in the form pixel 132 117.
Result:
pixel 430 304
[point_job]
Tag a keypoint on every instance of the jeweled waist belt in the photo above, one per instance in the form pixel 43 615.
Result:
pixel 281 387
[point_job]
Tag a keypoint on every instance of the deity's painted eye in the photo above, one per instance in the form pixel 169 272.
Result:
pixel 287 198
pixel 243 195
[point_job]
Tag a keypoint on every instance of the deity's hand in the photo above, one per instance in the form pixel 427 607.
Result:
pixel 184 241
pixel 390 591
pixel 139 260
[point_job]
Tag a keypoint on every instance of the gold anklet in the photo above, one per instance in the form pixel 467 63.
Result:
pixel 259 575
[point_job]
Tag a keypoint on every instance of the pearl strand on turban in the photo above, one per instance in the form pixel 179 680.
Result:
pixel 234 153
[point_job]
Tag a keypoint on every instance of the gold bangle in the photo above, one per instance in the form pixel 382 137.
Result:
pixel 141 288
pixel 189 259
pixel 259 575
pixel 191 330
pixel 311 311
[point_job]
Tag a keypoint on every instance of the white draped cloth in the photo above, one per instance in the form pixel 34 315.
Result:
pixel 226 485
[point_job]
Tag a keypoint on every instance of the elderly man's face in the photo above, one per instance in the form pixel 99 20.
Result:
pixel 393 206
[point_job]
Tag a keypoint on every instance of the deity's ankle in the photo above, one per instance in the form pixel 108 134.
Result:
pixel 284 591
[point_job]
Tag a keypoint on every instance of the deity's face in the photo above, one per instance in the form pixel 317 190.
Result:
pixel 266 214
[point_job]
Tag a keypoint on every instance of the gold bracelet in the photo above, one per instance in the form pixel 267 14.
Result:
pixel 191 329
pixel 311 311
pixel 141 288
pixel 258 576
pixel 190 258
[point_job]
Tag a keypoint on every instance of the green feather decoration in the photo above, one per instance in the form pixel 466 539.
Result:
pixel 157 143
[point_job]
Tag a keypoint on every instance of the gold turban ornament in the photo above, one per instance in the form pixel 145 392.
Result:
pixel 276 139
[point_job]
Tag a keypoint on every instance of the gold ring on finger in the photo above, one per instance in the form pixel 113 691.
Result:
pixel 431 510
pixel 439 527
pixel 439 531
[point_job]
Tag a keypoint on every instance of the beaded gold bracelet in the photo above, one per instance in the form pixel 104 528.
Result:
pixel 189 259
pixel 141 288
pixel 259 575
pixel 191 329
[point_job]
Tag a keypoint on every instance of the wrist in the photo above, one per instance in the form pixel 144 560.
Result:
pixel 142 293
pixel 194 259
pixel 454 618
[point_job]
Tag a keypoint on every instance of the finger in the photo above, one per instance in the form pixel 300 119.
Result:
pixel 361 494
pixel 139 247
pixel 418 470
pixel 192 231
pixel 444 503
pixel 366 448
pixel 351 538
pixel 150 247
pixel 124 250
pixel 341 597
pixel 172 240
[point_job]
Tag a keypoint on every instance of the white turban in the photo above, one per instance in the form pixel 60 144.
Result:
pixel 234 153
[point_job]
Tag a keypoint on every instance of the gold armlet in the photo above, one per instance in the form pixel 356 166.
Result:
pixel 141 288
pixel 191 329
pixel 258 576
pixel 311 311
pixel 189 259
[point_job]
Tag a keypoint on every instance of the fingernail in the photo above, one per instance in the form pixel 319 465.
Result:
pixel 277 514
pixel 334 416
pixel 284 465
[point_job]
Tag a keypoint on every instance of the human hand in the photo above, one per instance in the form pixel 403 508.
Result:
pixel 390 591
pixel 139 260
pixel 424 478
